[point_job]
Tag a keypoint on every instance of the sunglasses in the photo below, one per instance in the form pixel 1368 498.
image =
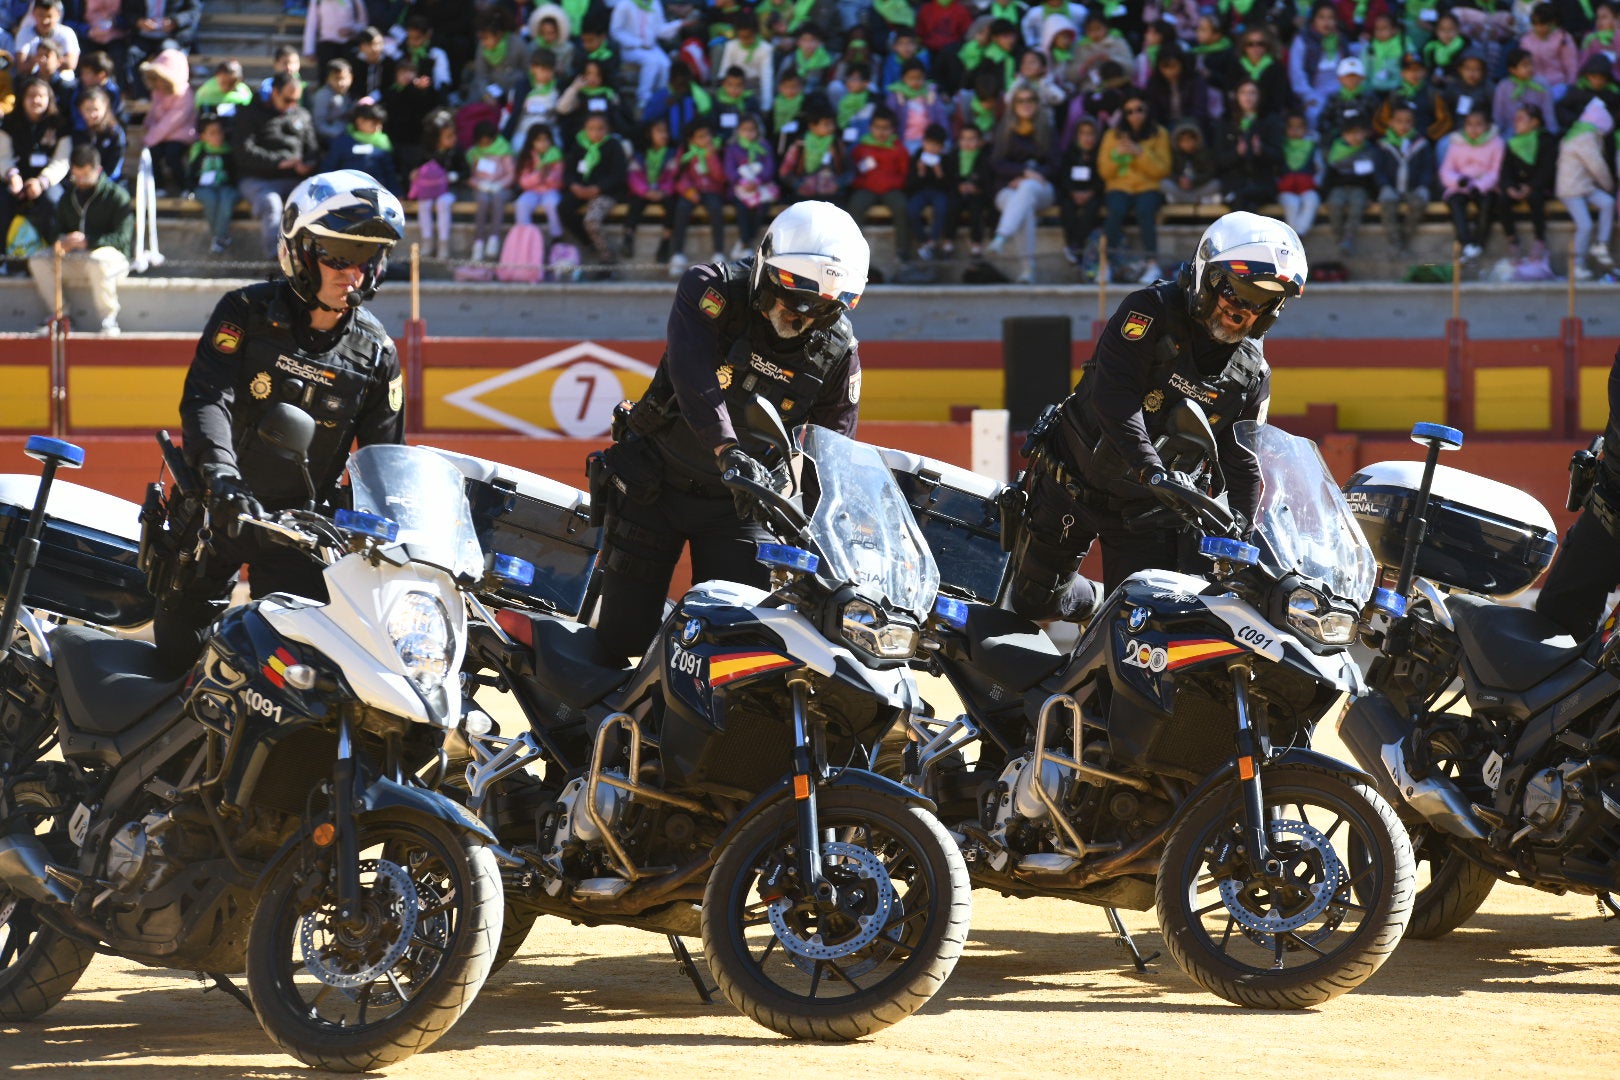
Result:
pixel 347 254
pixel 1256 302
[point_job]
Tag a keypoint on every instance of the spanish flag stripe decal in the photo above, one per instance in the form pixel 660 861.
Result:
pixel 724 669
pixel 1191 652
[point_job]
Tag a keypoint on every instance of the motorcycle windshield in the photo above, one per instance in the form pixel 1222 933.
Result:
pixel 863 527
pixel 1304 524
pixel 422 493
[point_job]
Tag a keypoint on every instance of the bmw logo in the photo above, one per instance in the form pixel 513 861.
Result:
pixel 1139 618
pixel 690 632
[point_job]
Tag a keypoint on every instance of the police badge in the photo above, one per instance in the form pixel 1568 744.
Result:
pixel 260 386
pixel 724 377
pixel 1153 400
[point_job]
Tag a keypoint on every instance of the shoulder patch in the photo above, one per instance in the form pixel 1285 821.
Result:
pixel 227 337
pixel 712 304
pixel 855 387
pixel 396 393
pixel 1136 324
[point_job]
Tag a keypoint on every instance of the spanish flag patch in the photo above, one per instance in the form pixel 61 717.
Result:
pixel 228 337
pixel 712 303
pixel 1136 324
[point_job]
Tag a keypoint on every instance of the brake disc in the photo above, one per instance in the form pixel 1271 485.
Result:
pixel 856 862
pixel 1331 877
pixel 390 905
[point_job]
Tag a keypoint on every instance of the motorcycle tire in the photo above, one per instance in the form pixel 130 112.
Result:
pixel 443 951
pixel 1455 890
pixel 38 964
pixel 515 927
pixel 1377 887
pixel 901 964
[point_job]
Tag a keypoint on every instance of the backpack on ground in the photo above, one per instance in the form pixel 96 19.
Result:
pixel 564 264
pixel 523 255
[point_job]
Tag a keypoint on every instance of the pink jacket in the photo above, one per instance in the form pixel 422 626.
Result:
pixel 173 114
pixel 1556 57
pixel 1480 164
pixel 543 178
pixel 711 182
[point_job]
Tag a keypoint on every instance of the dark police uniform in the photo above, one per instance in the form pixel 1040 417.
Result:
pixel 1084 482
pixel 661 480
pixel 258 350
pixel 1588 566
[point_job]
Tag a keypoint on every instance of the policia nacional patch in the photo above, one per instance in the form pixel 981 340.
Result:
pixel 228 337
pixel 1136 324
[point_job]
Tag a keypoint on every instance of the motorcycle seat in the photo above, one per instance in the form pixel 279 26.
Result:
pixel 1009 648
pixel 1509 648
pixel 108 683
pixel 569 661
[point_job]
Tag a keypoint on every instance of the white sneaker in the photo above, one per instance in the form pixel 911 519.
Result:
pixel 1472 251
pixel 997 245
pixel 1027 277
pixel 677 264
pixel 1582 272
pixel 109 326
pixel 1150 273
pixel 478 251
pixel 492 248
pixel 1599 253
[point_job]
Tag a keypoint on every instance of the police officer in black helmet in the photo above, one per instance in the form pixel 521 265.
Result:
pixel 303 340
pixel 1196 338
pixel 773 325
pixel 1587 569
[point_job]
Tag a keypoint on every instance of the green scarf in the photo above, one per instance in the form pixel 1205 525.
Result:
pixel 1522 87
pixel 1012 11
pixel 801 12
pixel 872 140
pixel 1330 44
pixel 497 56
pixel 850 104
pixel 816 61
pixel 784 110
pixel 551 156
pixel 1440 55
pixel 970 54
pixel 382 142
pixel 1297 153
pixel 593 154
pixel 542 89
pixel 1602 37
pixel 1222 45
pixel 984 116
pixel 602 55
pixel 575 10
pixel 1347 94
pixel 701 100
pixel 1246 123
pixel 1361 11
pixel 1386 55
pixel 210 95
pixel 596 91
pixel 420 57
pixel 1524 146
pixel 1120 159
pixel 1255 70
pixel 218 159
pixel 1397 141
pixel 1579 127
pixel 965 162
pixel 752 147
pixel 1481 141
pixel 644 5
pixel 907 93
pixel 1061 57
pixel 495 149
pixel 735 102
pixel 896 12
pixel 698 159
pixel 1242 7
pixel 816 149
pixel 654 161
pixel 997 55
pixel 1341 151
pixel 1586 6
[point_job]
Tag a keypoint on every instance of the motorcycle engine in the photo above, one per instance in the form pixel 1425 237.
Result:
pixel 575 828
pixel 143 855
pixel 1014 814
pixel 1554 800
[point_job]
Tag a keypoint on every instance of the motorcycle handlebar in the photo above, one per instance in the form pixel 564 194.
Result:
pixel 293 535
pixel 1200 510
pixel 783 513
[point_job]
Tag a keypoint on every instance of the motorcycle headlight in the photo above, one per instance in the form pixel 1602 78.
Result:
pixel 866 628
pixel 419 627
pixel 1312 616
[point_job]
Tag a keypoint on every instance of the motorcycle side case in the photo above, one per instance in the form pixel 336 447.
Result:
pixel 537 519
pixel 957 512
pixel 88 569
pixel 1483 536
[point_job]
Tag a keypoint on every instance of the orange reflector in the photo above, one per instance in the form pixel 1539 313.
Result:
pixel 801 787
pixel 1245 768
pixel 324 834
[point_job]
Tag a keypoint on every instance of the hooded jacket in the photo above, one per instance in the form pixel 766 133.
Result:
pixel 1480 164
pixel 172 116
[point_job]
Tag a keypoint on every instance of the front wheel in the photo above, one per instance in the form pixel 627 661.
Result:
pixel 838 968
pixel 1317 924
pixel 358 996
pixel 1451 887
pixel 38 965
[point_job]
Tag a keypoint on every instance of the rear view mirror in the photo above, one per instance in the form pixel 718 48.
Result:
pixel 278 445
pixel 765 424
pixel 286 431
pixel 1187 423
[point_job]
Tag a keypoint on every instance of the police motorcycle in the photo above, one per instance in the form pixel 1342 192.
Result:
pixel 1522 784
pixel 1166 762
pixel 261 812
pixel 718 787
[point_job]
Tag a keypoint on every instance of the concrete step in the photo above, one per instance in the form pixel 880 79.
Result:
pixel 240 42
pixel 256 65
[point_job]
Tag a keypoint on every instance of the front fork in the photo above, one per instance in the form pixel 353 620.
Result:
pixel 345 851
pixel 807 773
pixel 1249 752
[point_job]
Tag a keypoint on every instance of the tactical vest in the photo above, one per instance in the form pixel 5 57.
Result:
pixel 749 360
pixel 331 386
pixel 1174 375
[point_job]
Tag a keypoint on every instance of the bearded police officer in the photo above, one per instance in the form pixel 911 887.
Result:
pixel 774 325
pixel 1588 566
pixel 1196 338
pixel 303 340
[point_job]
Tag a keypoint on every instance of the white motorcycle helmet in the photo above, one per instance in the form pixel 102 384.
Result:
pixel 345 218
pixel 1255 262
pixel 814 259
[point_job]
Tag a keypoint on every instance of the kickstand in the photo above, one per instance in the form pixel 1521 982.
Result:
pixel 1123 937
pixel 689 968
pixel 1607 906
pixel 222 983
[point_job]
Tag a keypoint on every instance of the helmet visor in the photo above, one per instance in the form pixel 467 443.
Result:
pixel 803 295
pixel 1246 295
pixel 341 254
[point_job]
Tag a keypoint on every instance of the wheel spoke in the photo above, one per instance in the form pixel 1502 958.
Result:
pixel 1276 952
pixel 765 952
pixel 393 980
pixel 844 975
pixel 1305 943
pixel 815 978
pixel 1201 912
pixel 365 1002
pixel 1327 834
pixel 902 920
pixel 418 939
pixel 1231 921
pixel 1353 882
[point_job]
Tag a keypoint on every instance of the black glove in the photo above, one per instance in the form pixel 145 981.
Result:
pixel 1160 482
pixel 229 497
pixel 735 459
pixel 1241 526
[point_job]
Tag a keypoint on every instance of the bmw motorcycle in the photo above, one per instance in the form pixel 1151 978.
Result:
pixel 1167 761
pixel 260 813
pixel 1523 783
pixel 718 787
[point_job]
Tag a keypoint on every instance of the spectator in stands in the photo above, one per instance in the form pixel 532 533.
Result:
pixel 539 103
pixel 975 184
pixel 540 179
pixel 409 99
pixel 373 67
pixel 1518 89
pixel 211 178
pixel 225 93
pixel 1313 60
pixel 103 131
pixel 813 166
pixel 1353 178
pixel 881 168
pixel 1553 53
pixel 47 26
pixel 1446 49
pixel 94 226
pixel 493 172
pixel 365 146
pixel 1134 159
pixel 330 106
pixel 502 60
pixel 751 171
pixel 1248 151
pixel 810 61
pixel 682 104
pixel 905 47
pixel 1058 35
pixel 732 102
pixel 595 184
pixel 330 28
pixel 748 53
pixel 487 106
pixel 854 106
pixel 285 60
pixel 1385 50
pixel 34 148
pixel 156 25
pixel 1595 80
pixel 595 44
pixel 1468 176
pixel 1529 171
pixel 1407 181
pixel 48 66
pixel 440 168
pixel 701 181
pixel 1600 40
pixel 587 96
pixel 638 27
pixel 276 147
pixel 654 169
pixel 1215 55
pixel 1430 113
pixel 1099 42
pixel 1467 92
pixel 1020 159
pixel 1350 103
pixel 106 30
pixel 1080 190
pixel 942 26
pixel 551 29
pixel 1297 185
pixel 1192 178
pixel 430 61
pixel 1176 95
pixel 96 72
pixel 1258 62
pixel 171 121
pixel 982 106
pixel 1583 182
pixel 929 185
pixel 915 105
